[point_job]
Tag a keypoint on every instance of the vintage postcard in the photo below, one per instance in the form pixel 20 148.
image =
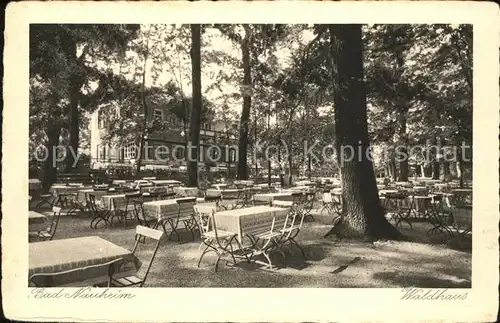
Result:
pixel 251 161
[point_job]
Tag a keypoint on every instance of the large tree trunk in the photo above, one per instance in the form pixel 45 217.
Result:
pixel 242 172
pixel 364 215
pixel 49 165
pixel 140 151
pixel 69 48
pixel 196 107
pixel 401 118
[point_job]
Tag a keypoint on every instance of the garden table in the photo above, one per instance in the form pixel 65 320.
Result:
pixel 34 184
pixel 244 182
pixel 112 201
pixel 303 183
pixel 384 192
pixel 269 197
pixel 303 189
pixel 160 182
pixel 220 186
pixel 66 254
pixel 251 220
pixel 82 195
pixel 462 196
pixel 186 191
pixel 37 221
pixel 165 209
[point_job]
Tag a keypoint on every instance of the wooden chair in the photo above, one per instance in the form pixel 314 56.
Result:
pixel 291 229
pixel 215 240
pixel 47 198
pixel 99 274
pixel 51 229
pixel 98 213
pixel 140 236
pixel 189 220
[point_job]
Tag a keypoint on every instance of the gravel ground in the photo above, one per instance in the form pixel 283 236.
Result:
pixel 427 262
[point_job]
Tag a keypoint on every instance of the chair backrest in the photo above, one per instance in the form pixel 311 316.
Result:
pixel 204 213
pixel 142 231
pixel 55 220
pixel 78 277
pixel 283 204
pixel 212 198
pixel 327 197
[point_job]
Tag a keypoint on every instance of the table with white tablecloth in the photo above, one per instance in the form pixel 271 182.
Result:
pixel 165 209
pixel 66 254
pixel 269 197
pixel 165 182
pixel 37 221
pixel 251 220
pixel 34 184
pixel 114 202
pixel 186 191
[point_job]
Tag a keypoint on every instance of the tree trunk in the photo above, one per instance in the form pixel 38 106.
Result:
pixel 446 170
pixel 460 167
pixel 69 48
pixel 309 161
pixel 196 105
pixel 290 167
pixel 453 170
pixel 49 165
pixel 242 172
pixel 435 163
pixel 364 215
pixel 142 140
pixel 282 180
pixel 436 172
pixel 269 173
pixel 393 168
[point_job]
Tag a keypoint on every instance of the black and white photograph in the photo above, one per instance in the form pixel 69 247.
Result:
pixel 253 155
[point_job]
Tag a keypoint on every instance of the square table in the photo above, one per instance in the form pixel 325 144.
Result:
pixel 37 221
pixel 269 197
pixel 303 183
pixel 220 186
pixel 34 184
pixel 112 201
pixel 244 182
pixel 167 209
pixel 66 254
pixel 159 182
pixel 81 195
pixel 186 191
pixel 251 220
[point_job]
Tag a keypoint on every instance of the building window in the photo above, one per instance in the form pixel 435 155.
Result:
pixel 101 152
pixel 158 114
pixel 179 153
pixel 129 151
pixel 232 155
pixel 102 119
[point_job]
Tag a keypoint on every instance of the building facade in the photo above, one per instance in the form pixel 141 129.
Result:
pixel 162 149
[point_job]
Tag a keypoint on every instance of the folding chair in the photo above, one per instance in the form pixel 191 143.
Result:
pixel 291 230
pixel 99 274
pixel 99 214
pixel 140 237
pixel 47 198
pixel 215 240
pixel 308 204
pixel 267 242
pixel 189 220
pixel 51 229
